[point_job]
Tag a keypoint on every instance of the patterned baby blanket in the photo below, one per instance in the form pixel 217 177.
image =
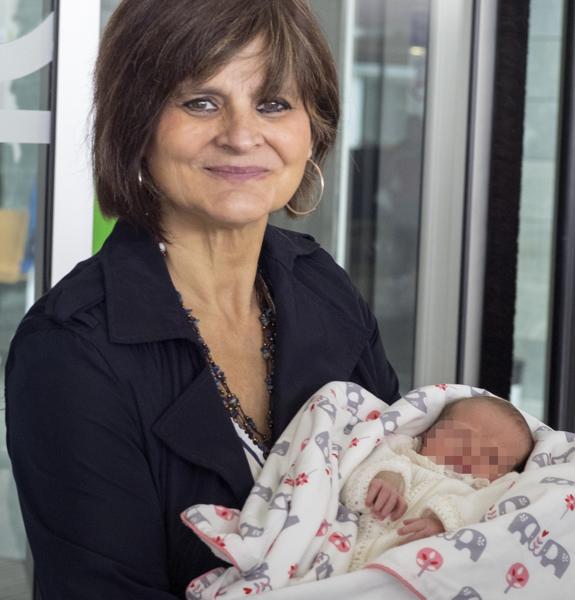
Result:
pixel 293 529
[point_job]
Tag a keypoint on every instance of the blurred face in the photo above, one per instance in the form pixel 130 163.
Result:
pixel 475 440
pixel 225 156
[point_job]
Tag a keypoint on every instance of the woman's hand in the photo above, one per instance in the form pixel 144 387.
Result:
pixel 384 500
pixel 415 529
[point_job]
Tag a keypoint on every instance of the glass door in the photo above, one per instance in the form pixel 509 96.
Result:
pixel 26 52
pixel 535 258
pixel 388 96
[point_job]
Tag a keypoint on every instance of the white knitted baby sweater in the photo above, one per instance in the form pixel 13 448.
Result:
pixel 455 499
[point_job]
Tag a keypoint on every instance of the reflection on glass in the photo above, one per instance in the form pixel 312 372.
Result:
pixel 386 163
pixel 107 7
pixel 536 219
pixel 22 190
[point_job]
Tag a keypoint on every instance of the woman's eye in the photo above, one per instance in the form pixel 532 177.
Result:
pixel 201 105
pixel 274 106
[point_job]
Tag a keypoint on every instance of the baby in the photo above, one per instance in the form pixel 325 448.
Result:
pixel 441 481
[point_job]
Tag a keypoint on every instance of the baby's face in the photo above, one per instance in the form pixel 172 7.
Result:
pixel 475 440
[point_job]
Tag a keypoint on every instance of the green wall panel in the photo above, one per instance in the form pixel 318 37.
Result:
pixel 102 228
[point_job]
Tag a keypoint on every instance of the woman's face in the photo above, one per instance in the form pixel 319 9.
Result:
pixel 225 156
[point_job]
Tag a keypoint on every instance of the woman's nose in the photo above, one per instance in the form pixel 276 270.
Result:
pixel 240 130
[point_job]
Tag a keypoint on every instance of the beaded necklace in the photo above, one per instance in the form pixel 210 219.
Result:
pixel 230 400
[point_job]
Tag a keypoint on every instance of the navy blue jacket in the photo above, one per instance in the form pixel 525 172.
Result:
pixel 115 425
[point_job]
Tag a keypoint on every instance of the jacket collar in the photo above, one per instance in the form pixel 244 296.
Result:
pixel 142 303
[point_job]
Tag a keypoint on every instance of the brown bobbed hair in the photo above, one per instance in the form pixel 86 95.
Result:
pixel 150 47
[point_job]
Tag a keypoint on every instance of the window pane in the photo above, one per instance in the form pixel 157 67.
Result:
pixel 22 202
pixel 107 8
pixel 534 268
pixel 386 166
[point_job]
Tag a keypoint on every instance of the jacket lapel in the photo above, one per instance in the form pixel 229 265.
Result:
pixel 316 343
pixel 197 428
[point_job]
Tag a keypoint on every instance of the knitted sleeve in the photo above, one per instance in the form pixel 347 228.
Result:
pixel 456 510
pixel 382 462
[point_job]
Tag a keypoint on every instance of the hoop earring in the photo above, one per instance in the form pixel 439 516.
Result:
pixel 316 205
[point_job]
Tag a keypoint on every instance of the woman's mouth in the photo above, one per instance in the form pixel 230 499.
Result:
pixel 237 174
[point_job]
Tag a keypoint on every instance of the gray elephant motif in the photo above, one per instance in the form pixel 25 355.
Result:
pixel 327 406
pixel 336 449
pixel 196 592
pixel 322 565
pixel 290 522
pixel 345 515
pixel 322 442
pixel 554 554
pixel 551 553
pixel 354 401
pixel 417 400
pixel 262 492
pixel 513 503
pixel 475 391
pixel 352 423
pixel 389 420
pixel 565 457
pixel 259 575
pixel 247 530
pixel 354 395
pixel 192 594
pixel 527 526
pixel 468 539
pixel 557 481
pixel 196 517
pixel 257 572
pixel 280 448
pixel 280 502
pixel 467 593
pixel 544 458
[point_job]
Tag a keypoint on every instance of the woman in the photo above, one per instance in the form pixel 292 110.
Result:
pixel 158 373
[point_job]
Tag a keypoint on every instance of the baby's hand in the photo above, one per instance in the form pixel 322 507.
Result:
pixel 384 500
pixel 415 529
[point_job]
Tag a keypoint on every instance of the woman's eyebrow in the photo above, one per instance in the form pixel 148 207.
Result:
pixel 187 89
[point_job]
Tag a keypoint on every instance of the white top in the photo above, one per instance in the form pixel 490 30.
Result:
pixel 254 454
